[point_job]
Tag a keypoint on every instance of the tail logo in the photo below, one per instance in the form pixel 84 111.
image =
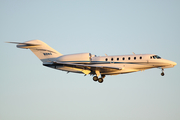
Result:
pixel 47 54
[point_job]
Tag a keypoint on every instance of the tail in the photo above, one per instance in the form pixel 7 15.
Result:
pixel 43 51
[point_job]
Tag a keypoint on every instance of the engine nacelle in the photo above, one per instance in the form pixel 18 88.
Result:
pixel 77 58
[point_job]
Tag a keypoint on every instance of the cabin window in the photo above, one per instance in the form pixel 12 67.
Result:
pixel 106 59
pixel 123 58
pixel 134 58
pixel 111 59
pixel 151 57
pixel 117 58
pixel 140 57
pixel 129 58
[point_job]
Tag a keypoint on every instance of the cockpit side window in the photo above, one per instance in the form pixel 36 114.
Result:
pixel 155 57
pixel 158 57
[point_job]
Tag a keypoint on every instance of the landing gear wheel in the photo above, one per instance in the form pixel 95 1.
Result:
pixel 162 74
pixel 100 80
pixel 95 78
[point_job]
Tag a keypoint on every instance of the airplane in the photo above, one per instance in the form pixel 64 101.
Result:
pixel 89 64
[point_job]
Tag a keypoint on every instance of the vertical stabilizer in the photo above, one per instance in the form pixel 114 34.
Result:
pixel 43 51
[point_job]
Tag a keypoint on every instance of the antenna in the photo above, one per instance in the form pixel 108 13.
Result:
pixel 133 53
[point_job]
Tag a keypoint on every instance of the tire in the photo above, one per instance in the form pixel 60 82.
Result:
pixel 162 74
pixel 100 80
pixel 95 78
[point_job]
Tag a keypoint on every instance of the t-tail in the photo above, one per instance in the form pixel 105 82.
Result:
pixel 43 51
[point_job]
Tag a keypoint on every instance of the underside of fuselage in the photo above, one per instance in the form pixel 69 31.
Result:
pixel 130 68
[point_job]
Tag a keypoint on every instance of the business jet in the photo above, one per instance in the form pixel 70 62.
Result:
pixel 87 63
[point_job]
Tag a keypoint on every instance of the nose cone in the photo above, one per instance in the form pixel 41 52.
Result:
pixel 169 64
pixel 174 63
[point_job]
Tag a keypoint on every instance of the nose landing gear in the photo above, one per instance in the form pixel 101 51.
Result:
pixel 162 74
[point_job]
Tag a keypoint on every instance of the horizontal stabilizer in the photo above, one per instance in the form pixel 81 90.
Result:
pixel 24 43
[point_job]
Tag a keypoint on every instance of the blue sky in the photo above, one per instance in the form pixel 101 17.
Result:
pixel 31 91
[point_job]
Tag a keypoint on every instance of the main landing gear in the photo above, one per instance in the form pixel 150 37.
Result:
pixel 162 74
pixel 100 80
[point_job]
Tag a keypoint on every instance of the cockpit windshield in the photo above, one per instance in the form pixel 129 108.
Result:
pixel 155 57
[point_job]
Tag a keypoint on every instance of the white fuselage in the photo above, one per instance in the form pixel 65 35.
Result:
pixel 128 63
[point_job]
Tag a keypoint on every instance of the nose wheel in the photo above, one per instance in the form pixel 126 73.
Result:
pixel 162 74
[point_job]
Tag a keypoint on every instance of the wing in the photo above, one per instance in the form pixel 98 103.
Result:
pixel 89 68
